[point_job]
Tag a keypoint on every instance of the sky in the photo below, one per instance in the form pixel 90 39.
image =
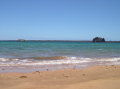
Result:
pixel 59 19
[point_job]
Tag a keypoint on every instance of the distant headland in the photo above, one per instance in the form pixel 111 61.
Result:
pixel 98 39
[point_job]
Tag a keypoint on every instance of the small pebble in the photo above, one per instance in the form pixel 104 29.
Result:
pixel 23 77
pixel 83 74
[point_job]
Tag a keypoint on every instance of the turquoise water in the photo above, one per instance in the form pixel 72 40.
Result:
pixel 44 49
pixel 21 56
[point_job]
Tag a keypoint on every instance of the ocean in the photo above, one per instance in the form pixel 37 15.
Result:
pixel 51 55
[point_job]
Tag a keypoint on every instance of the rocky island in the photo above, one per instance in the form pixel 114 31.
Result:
pixel 98 39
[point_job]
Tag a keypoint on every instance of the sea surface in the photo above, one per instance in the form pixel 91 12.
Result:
pixel 49 55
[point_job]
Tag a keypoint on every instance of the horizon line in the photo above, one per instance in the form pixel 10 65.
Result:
pixel 60 40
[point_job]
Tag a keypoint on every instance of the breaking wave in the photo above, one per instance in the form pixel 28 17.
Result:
pixel 55 60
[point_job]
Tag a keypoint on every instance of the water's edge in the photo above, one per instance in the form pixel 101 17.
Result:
pixel 30 65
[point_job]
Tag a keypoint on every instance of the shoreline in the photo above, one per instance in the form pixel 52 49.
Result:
pixel 43 65
pixel 95 77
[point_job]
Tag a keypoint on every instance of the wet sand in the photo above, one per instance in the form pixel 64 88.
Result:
pixel 97 77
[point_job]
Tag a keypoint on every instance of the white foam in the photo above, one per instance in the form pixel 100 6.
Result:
pixel 45 62
pixel 57 62
pixel 72 57
pixel 109 59
pixel 8 59
pixel 4 59
pixel 68 60
pixel 78 58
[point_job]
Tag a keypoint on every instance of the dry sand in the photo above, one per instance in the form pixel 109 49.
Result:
pixel 98 77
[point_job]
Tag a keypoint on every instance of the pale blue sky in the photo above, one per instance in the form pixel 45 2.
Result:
pixel 59 19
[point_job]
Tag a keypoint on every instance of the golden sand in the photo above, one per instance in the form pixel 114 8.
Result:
pixel 98 77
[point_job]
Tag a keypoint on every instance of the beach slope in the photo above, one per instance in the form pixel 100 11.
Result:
pixel 97 77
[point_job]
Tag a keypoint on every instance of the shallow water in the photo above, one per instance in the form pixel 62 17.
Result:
pixel 57 55
pixel 46 49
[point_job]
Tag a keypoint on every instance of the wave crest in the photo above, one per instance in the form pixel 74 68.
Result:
pixel 56 60
pixel 50 58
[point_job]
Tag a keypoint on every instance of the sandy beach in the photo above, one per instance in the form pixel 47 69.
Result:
pixel 97 77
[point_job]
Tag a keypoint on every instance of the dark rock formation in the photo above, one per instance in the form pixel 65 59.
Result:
pixel 98 39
